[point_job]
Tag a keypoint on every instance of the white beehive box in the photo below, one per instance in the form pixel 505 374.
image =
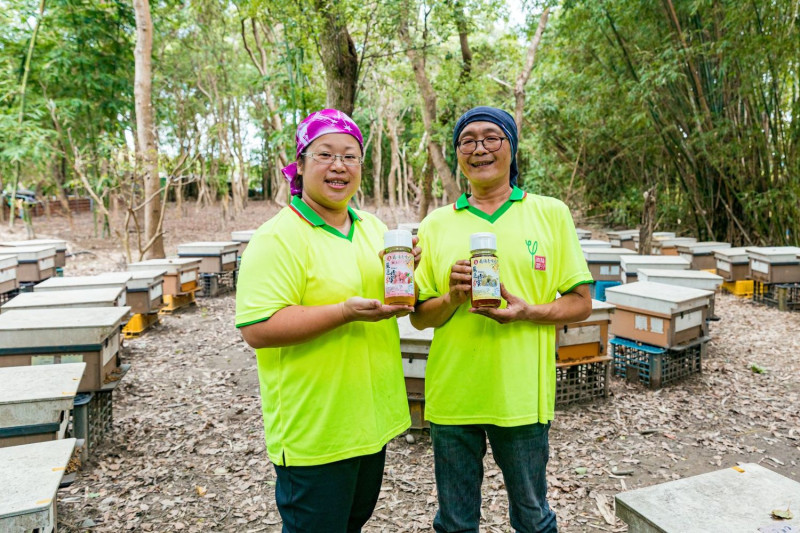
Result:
pixel 586 340
pixel 182 277
pixel 669 245
pixel 34 263
pixel 733 264
pixel 583 234
pixel 8 273
pixel 776 264
pixel 31 476
pixel 695 279
pixel 108 297
pixel 59 244
pixel 146 291
pixel 630 264
pixel 622 238
pixel 99 281
pixel 243 238
pixel 604 263
pixel 659 314
pixel 701 254
pixel 215 256
pixel 55 336
pixel 414 348
pixel 35 402
pixel 587 244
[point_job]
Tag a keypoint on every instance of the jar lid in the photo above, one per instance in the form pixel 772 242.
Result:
pixel 482 241
pixel 397 238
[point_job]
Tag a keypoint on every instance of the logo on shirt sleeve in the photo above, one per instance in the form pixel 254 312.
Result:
pixel 538 262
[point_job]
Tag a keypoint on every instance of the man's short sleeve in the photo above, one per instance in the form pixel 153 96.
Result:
pixel 573 271
pixel 271 277
pixel 425 274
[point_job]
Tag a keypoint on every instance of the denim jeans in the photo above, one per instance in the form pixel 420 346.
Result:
pixel 521 453
pixel 336 497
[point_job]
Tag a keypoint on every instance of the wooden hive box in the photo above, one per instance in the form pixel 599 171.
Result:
pixel 583 234
pixel 658 314
pixel 242 237
pixel 587 339
pixel 214 257
pixel 777 264
pixel 108 297
pixel 89 335
pixel 59 244
pixel 622 238
pixel 630 264
pixel 733 264
pixel 415 345
pixel 34 263
pixel 146 291
pixel 695 279
pixel 8 273
pixel 182 277
pixel 657 235
pixel 604 263
pixel 106 280
pixel 31 477
pixel 35 402
pixel 701 254
pixel 669 245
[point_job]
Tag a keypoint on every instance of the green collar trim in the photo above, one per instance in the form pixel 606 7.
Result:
pixel 304 211
pixel 517 194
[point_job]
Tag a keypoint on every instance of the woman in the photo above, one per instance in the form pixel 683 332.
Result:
pixel 329 366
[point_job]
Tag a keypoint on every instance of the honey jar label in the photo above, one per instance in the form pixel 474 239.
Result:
pixel 398 274
pixel 485 278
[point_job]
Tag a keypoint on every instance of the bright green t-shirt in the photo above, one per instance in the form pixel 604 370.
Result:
pixel 342 394
pixel 480 371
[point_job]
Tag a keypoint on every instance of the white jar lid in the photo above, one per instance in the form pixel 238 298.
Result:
pixel 483 241
pixel 397 238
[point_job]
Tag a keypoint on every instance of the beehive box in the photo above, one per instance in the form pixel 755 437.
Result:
pixel 182 277
pixel 415 345
pixel 778 264
pixel 59 244
pixel 243 238
pixel 622 238
pixel 34 263
pixel 630 264
pixel 108 297
pixel 145 291
pixel 587 339
pixel 31 477
pixel 669 245
pixel 701 254
pixel 733 264
pixel 604 263
pixel 8 273
pixel 583 234
pixel 657 314
pixel 214 256
pixel 56 336
pixel 35 402
pixel 696 279
pixel 657 235
pixel 594 244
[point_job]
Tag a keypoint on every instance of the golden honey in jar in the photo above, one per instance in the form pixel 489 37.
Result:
pixel 398 268
pixel 485 270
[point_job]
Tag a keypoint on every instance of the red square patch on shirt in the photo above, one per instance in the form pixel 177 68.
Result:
pixel 541 262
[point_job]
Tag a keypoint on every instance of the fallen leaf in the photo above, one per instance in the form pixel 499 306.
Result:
pixel 781 514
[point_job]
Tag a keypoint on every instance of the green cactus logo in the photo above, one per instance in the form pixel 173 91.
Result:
pixel 532 248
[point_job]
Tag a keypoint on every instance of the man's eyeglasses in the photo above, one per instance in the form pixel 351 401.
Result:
pixel 327 158
pixel 491 144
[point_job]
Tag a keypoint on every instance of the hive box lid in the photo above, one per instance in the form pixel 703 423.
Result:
pixel 704 247
pixel 736 256
pixel 143 279
pixel 697 279
pixel 583 233
pixel 105 297
pixel 30 253
pixel 24 384
pixel 29 328
pixel 658 235
pixel 173 265
pixel 658 297
pixel 605 255
pixel 600 311
pixel 623 234
pixel 594 243
pixel 632 263
pixel 59 244
pixel 243 235
pixel 673 241
pixel 8 261
pixel 100 281
pixel 410 333
pixel 207 248
pixel 774 254
pixel 31 476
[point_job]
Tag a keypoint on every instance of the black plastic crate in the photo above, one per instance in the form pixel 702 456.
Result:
pixel 6 296
pixel 784 296
pixel 656 367
pixel 217 283
pixel 92 418
pixel 582 382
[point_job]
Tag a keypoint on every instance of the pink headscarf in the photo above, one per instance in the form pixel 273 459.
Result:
pixel 314 126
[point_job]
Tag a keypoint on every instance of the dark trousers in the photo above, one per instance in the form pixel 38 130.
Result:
pixel 330 498
pixel 521 453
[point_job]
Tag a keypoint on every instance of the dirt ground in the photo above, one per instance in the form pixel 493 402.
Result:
pixel 187 450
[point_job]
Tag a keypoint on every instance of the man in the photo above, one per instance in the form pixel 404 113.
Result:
pixel 491 372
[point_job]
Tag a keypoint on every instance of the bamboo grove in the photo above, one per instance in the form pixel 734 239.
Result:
pixel 695 101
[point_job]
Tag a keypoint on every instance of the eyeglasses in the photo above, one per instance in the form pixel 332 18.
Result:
pixel 327 158
pixel 491 144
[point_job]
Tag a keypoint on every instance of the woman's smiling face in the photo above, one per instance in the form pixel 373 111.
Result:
pixel 331 185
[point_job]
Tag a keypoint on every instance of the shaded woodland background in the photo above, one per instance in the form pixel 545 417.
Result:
pixel 696 101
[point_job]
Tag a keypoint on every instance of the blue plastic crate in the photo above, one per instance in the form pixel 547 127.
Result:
pixel 598 289
pixel 653 366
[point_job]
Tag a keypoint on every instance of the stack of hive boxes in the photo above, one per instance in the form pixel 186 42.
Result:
pixel 415 345
pixel 733 265
pixel 701 254
pixel 604 264
pixel 218 264
pixel 180 280
pixel 775 272
pixel 622 238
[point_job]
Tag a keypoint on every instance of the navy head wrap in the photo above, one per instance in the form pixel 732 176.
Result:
pixel 496 116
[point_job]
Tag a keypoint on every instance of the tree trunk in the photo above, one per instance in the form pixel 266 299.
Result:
pixel 648 222
pixel 427 189
pixel 394 169
pixel 147 156
pixel 377 155
pixel 340 58
pixel 522 79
